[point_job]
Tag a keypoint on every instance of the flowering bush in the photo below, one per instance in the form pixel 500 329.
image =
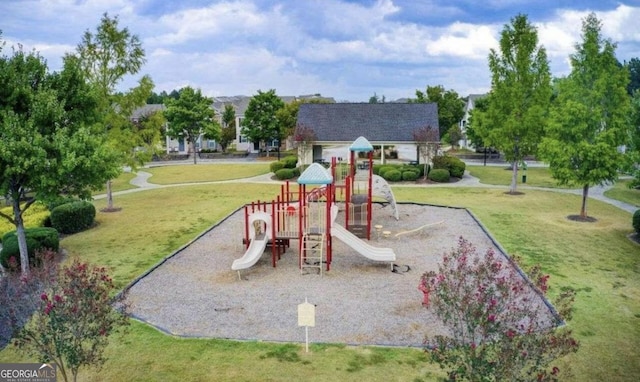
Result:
pixel 498 329
pixel 74 319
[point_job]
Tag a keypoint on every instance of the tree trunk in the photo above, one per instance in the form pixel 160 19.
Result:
pixel 195 154
pixel 109 196
pixel 514 178
pixel 585 195
pixel 21 236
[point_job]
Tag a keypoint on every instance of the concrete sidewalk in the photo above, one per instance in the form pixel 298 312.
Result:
pixel 596 192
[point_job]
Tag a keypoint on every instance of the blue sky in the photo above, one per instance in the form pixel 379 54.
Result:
pixel 346 49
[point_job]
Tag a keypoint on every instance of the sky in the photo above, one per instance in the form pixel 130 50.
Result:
pixel 345 49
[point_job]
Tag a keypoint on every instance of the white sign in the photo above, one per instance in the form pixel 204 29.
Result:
pixel 306 314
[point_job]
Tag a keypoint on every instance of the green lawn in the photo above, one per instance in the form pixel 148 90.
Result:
pixel 596 259
pixel 623 193
pixel 121 183
pixel 501 175
pixel 208 172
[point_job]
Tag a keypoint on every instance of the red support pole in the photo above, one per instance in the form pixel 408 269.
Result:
pixel 370 196
pixel 246 227
pixel 328 224
pixel 346 203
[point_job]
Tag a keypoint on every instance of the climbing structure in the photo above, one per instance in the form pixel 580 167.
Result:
pixel 308 215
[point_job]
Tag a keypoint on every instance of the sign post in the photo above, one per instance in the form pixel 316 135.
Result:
pixel 306 318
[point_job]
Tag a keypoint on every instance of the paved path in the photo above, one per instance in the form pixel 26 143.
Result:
pixel 596 192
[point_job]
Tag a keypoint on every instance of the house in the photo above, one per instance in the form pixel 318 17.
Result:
pixel 471 99
pixel 380 123
pixel 240 104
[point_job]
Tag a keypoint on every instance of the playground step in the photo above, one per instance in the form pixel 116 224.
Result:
pixel 311 254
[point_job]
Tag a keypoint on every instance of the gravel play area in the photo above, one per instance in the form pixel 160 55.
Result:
pixel 194 293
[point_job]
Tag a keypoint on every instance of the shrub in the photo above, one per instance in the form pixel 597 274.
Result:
pixel 275 166
pixel 38 238
pixel 285 173
pixel 73 217
pixel 35 216
pixel 410 176
pixel 636 221
pixel 455 165
pixel 387 167
pixel 440 175
pixel 290 161
pixel 392 175
pixel 376 169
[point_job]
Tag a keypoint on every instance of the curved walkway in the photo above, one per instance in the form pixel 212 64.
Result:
pixel 596 192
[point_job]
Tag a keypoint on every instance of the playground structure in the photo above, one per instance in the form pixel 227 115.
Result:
pixel 308 214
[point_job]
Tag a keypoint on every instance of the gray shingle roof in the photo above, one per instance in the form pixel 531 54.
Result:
pixel 146 110
pixel 381 122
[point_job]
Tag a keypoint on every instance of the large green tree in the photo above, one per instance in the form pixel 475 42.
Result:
pixel 520 94
pixel 450 106
pixel 634 146
pixel 260 123
pixel 191 117
pixel 107 57
pixel 590 116
pixel 50 142
pixel 228 130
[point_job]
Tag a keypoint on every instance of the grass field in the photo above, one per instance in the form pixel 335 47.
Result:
pixel 501 175
pixel 596 259
pixel 622 192
pixel 208 172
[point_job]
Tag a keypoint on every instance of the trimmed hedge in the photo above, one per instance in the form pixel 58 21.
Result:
pixel 290 161
pixel 439 175
pixel 286 173
pixel 636 221
pixel 275 166
pixel 410 176
pixel 35 216
pixel 455 165
pixel 392 175
pixel 37 238
pixel 73 217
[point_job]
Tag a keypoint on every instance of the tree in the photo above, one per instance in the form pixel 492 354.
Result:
pixel 498 331
pixel 477 118
pixel 260 123
pixel 376 99
pixel 106 58
pixel 304 137
pixel 288 114
pixel 191 116
pixel 454 135
pixel 634 75
pixel 228 130
pixel 428 141
pixel 520 94
pixel 150 129
pixel 74 319
pixel 450 106
pixel 50 142
pixel 589 118
pixel 634 147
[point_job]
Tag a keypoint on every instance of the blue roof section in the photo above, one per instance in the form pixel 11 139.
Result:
pixel 361 144
pixel 315 174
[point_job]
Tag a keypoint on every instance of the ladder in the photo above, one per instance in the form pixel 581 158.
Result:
pixel 311 255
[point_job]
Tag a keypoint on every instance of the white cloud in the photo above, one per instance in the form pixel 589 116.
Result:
pixel 464 40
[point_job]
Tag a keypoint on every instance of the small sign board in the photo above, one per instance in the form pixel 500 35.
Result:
pixel 306 314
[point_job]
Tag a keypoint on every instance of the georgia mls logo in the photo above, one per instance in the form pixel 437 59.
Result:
pixel 27 372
